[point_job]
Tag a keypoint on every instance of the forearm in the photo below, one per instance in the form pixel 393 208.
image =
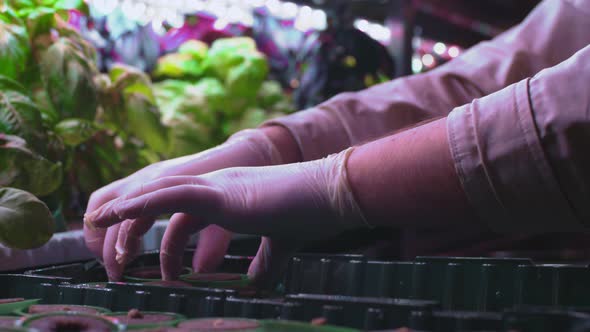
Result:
pixel 409 179
pixel 515 160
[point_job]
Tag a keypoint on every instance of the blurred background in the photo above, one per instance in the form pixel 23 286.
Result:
pixel 316 48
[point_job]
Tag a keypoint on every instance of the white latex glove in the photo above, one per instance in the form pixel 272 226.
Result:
pixel 117 245
pixel 288 204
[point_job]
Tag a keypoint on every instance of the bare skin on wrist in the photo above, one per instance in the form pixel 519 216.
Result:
pixel 418 185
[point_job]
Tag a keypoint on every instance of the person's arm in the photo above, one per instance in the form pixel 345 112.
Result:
pixel 517 159
pixel 409 180
pixel 553 32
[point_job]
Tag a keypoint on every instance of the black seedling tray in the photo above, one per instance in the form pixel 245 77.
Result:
pixel 93 271
pixel 472 284
pixel 428 294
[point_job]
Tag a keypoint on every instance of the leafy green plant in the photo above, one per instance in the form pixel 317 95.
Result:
pixel 65 128
pixel 222 91
pixel 25 221
pixel 14 45
pixel 22 168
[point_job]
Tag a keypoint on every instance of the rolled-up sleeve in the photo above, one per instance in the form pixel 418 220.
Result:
pixel 553 32
pixel 523 153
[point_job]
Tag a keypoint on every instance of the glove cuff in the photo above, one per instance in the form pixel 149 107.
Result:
pixel 259 143
pixel 340 193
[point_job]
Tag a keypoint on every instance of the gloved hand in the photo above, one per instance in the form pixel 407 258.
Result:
pixel 288 204
pixel 118 244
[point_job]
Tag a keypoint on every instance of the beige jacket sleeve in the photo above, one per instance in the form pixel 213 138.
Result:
pixel 523 153
pixel 553 32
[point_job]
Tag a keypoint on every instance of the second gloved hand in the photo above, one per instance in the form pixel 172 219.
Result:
pixel 118 245
pixel 287 204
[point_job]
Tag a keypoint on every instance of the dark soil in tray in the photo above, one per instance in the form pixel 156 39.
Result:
pixel 212 277
pixel 69 323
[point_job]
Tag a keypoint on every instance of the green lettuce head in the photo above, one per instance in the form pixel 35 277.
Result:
pixel 177 65
pixel 185 114
pixel 194 104
pixel 25 221
pixel 226 53
pixel 269 94
pixel 169 93
pixel 186 135
pixel 68 77
pixel 213 92
pixel 245 79
pixel 237 63
pixel 251 118
pixel 195 48
pixel 198 101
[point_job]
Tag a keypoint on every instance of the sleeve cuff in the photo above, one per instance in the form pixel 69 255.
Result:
pixel 317 132
pixel 502 166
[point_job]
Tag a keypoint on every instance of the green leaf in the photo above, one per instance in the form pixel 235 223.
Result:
pixel 176 65
pixel 35 12
pixel 14 46
pixel 54 149
pixel 71 4
pixel 215 94
pixel 269 94
pixel 24 169
pixel 7 84
pixel 19 4
pixel 39 20
pixel 20 116
pixel 283 106
pixel 25 221
pixel 49 116
pixel 144 122
pixel 169 89
pixel 65 30
pixel 245 79
pixel 251 118
pixel 195 48
pixel 187 136
pixel 68 78
pixel 9 15
pixel 122 85
pixel 118 70
pixel 75 131
pixel 48 3
pixel 142 89
pixel 127 79
pixel 121 72
pixel 226 53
